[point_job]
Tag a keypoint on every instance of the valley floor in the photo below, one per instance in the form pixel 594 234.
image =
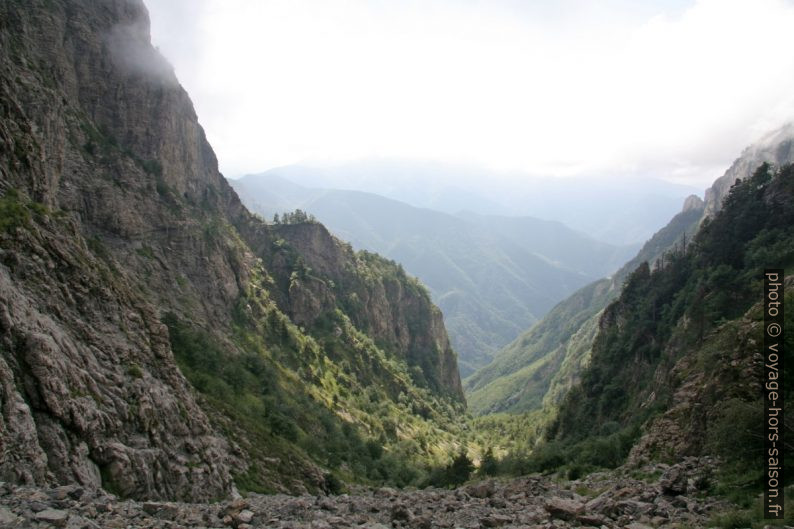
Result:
pixel 654 496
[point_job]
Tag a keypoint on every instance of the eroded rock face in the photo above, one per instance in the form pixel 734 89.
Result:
pixel 114 214
pixel 692 202
pixel 614 499
pixel 391 308
pixel 734 351
pixel 90 392
pixel 93 121
pixel 776 148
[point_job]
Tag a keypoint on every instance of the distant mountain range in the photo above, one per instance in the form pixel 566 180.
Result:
pixel 492 276
pixel 618 210
pixel 160 342
pixel 542 364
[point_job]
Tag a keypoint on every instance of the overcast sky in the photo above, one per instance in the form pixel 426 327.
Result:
pixel 671 88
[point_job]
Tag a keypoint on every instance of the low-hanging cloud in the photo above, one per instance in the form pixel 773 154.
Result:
pixel 131 51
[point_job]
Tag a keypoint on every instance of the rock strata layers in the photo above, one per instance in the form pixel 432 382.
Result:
pixel 113 215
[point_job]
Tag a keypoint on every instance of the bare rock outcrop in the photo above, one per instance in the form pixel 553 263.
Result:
pixel 776 148
pixel 114 215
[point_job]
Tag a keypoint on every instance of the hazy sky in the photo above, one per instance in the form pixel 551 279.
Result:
pixel 669 88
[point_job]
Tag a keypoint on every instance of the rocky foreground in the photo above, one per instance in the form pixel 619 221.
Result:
pixel 655 496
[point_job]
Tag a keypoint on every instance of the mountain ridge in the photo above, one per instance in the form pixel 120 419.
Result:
pixel 145 347
pixel 687 335
pixel 490 275
pixel 544 340
pixel 625 212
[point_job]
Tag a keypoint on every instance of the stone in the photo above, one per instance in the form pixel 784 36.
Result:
pixel 563 509
pixel 55 517
pixel 245 516
pixel 6 516
pixel 327 504
pixel 497 503
pixel 595 520
pixel 165 511
pixel 38 506
pixel 634 507
pixel 422 522
pixel 697 483
pixel 236 505
pixel 401 513
pixel 554 507
pixel 638 525
pixel 67 491
pixel 673 481
pixel 484 489
pixel 78 522
pixel 602 503
pixel 496 520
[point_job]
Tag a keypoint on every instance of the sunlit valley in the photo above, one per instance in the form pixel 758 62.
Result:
pixel 384 338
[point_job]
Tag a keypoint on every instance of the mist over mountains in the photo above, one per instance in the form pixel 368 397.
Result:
pixel 492 276
pixel 609 208
pixel 540 366
pixel 169 358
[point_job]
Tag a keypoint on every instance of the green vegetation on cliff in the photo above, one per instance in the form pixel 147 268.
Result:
pixel 541 365
pixel 323 393
pixel 681 322
pixel 127 259
pixel 492 276
pixel 662 313
pixel 518 394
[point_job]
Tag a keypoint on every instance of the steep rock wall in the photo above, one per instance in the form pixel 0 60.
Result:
pixel 112 215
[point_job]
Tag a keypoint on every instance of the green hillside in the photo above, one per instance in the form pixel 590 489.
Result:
pixel 491 276
pixel 676 357
pixel 160 341
pixel 542 364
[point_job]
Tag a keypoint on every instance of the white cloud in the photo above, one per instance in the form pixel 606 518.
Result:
pixel 554 90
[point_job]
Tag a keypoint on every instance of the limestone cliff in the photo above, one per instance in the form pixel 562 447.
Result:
pixel 316 274
pixel 542 364
pixel 114 214
pixel 90 390
pixel 776 148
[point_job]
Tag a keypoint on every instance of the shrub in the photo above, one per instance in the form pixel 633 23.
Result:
pixel 13 213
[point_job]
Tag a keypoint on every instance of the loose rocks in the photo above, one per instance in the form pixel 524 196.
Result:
pixel 609 499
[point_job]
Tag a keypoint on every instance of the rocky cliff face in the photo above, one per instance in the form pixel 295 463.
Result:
pixel 677 362
pixel 90 390
pixel 693 202
pixel 776 148
pixel 705 401
pixel 317 274
pixel 113 214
